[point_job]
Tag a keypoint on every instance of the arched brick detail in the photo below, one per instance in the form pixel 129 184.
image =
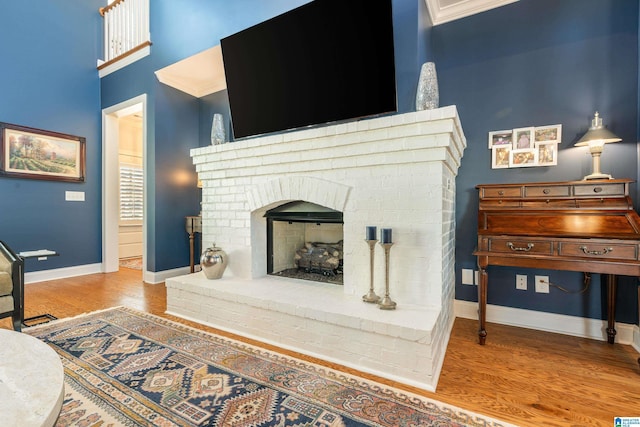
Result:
pixel 321 192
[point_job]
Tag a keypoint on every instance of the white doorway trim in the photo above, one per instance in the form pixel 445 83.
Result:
pixel 110 180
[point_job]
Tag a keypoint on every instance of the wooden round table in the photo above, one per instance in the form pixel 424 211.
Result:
pixel 31 381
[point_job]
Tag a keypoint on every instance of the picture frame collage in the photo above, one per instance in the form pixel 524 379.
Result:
pixel 525 147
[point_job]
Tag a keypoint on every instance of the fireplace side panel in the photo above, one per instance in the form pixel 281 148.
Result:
pixel 287 239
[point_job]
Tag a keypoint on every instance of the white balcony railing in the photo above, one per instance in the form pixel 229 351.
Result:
pixel 126 29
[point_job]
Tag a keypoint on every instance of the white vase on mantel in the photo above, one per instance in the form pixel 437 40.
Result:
pixel 427 95
pixel 217 130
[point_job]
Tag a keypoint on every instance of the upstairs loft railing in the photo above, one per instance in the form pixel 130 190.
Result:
pixel 126 29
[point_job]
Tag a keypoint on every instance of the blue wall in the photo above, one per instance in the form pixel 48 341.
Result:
pixel 178 30
pixel 178 122
pixel 530 63
pixel 48 80
pixel 535 63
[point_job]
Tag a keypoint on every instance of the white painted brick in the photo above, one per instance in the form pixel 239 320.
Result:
pixel 396 171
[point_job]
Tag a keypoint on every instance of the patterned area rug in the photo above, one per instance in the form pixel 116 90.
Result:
pixel 128 368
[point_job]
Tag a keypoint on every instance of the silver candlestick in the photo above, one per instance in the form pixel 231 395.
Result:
pixel 371 296
pixel 387 303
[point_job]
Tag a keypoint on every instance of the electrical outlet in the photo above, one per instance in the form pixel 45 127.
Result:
pixel 467 276
pixel 521 282
pixel 542 284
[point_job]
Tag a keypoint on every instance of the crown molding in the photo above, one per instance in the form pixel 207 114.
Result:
pixel 442 11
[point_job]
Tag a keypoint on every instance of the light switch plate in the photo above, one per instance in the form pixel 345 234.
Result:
pixel 74 196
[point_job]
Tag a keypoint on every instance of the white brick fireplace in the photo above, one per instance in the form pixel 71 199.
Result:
pixel 393 172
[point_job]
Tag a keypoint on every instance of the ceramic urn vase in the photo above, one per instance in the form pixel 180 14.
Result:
pixel 214 261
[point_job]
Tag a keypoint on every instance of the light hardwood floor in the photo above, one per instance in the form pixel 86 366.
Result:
pixel 525 377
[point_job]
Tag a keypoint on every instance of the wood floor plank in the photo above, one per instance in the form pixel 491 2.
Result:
pixel 522 376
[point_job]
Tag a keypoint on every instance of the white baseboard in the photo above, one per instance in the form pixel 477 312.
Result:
pixel 81 270
pixel 155 277
pixel 61 273
pixel 550 322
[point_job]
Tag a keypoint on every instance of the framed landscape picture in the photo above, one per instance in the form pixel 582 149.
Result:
pixel 40 154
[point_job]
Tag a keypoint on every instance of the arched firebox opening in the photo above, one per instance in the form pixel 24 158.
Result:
pixel 305 241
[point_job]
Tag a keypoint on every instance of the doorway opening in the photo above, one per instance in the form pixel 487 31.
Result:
pixel 124 226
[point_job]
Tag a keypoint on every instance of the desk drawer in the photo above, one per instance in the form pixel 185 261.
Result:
pixel 598 250
pixel 499 204
pixel 499 192
pixel 520 246
pixel 549 204
pixel 620 203
pixel 602 189
pixel 547 191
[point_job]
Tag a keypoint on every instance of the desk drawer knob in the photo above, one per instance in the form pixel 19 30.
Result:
pixel 520 248
pixel 546 191
pixel 602 252
pixel 500 193
pixel 597 189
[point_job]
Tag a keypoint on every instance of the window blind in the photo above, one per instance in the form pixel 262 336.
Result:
pixel 131 193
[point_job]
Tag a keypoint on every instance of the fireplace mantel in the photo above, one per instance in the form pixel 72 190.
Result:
pixel 393 172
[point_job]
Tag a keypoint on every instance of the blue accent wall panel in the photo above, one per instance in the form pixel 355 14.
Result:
pixel 179 30
pixel 536 63
pixel 177 195
pixel 48 80
pixel 406 46
pixel 130 82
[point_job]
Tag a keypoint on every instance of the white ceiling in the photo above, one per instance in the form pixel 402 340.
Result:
pixel 203 73
pixel 442 11
pixel 198 75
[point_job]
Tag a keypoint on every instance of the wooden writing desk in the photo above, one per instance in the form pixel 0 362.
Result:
pixel 587 226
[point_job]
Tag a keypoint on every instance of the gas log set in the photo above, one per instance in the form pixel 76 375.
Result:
pixel 320 258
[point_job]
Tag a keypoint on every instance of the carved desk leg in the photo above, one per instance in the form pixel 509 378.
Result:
pixel 612 286
pixel 483 261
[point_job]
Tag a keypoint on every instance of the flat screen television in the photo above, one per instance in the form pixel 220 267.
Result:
pixel 325 61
